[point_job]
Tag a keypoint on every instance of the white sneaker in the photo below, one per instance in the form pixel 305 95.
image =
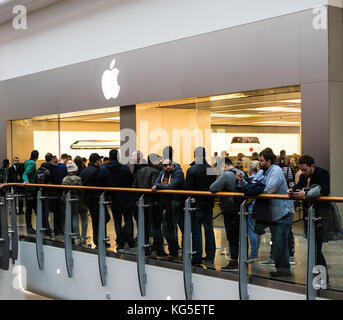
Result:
pixel 269 262
pixel 251 258
pixel 292 260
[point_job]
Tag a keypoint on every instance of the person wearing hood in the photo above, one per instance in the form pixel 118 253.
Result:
pixel 115 174
pixel 226 183
pixel 199 177
pixel 170 178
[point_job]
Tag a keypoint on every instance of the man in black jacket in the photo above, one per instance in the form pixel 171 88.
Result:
pixel 53 195
pixel 89 177
pixel 115 174
pixel 312 175
pixel 15 175
pixel 199 178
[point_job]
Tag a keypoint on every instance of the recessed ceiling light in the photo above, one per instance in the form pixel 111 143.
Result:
pixel 223 115
pixel 113 118
pixel 276 109
pixel 279 122
pixel 228 96
pixel 292 100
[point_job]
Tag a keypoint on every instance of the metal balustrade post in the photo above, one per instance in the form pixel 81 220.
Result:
pixel 311 254
pixel 4 235
pixel 13 229
pixel 39 230
pixel 141 245
pixel 243 254
pixel 69 236
pixel 102 240
pixel 187 253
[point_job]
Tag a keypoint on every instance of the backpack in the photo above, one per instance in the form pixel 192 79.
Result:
pixel 288 172
pixel 43 175
pixel 238 187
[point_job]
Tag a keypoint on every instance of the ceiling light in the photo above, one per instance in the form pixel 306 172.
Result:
pixel 276 109
pixel 279 122
pixel 292 100
pixel 228 96
pixel 113 118
pixel 223 115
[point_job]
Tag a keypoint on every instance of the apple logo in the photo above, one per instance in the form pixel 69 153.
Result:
pixel 109 82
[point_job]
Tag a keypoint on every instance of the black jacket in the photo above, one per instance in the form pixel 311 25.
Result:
pixel 89 177
pixel 54 179
pixel 320 177
pixel 199 179
pixel 54 172
pixel 15 173
pixel 114 174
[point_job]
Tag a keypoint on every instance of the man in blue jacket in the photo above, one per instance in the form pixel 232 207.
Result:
pixel 115 174
pixel 170 178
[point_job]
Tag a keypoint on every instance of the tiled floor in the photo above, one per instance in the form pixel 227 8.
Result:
pixel 333 252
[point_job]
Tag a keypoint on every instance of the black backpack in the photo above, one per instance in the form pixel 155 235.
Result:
pixel 238 188
pixel 43 176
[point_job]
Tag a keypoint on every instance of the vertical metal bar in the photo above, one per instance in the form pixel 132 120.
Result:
pixel 187 263
pixel 243 254
pixel 102 241
pixel 142 277
pixel 68 237
pixel 4 233
pixel 39 235
pixel 14 229
pixel 311 254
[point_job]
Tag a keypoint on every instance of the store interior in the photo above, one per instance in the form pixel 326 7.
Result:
pixel 241 122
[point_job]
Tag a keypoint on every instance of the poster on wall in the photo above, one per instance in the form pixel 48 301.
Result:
pixel 76 143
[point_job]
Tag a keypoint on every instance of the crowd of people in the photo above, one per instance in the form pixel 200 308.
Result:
pixel 165 214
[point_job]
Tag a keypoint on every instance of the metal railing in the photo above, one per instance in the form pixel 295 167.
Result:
pixel 7 204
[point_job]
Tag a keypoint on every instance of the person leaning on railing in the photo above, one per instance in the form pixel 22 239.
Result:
pixel 313 175
pixel 226 183
pixel 278 212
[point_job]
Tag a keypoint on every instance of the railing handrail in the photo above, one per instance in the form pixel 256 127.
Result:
pixel 175 192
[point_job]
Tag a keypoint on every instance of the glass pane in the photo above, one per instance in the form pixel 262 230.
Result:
pixel 83 133
pixel 37 133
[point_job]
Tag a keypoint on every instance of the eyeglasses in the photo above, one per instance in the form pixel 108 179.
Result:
pixel 166 165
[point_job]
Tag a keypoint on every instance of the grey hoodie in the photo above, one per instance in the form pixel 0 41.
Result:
pixel 225 183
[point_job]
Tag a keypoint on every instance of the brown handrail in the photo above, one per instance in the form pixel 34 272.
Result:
pixel 177 192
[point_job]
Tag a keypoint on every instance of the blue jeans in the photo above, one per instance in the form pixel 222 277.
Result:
pixel 202 216
pixel 254 238
pixel 280 233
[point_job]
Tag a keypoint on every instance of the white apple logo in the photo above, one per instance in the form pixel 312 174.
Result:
pixel 109 82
